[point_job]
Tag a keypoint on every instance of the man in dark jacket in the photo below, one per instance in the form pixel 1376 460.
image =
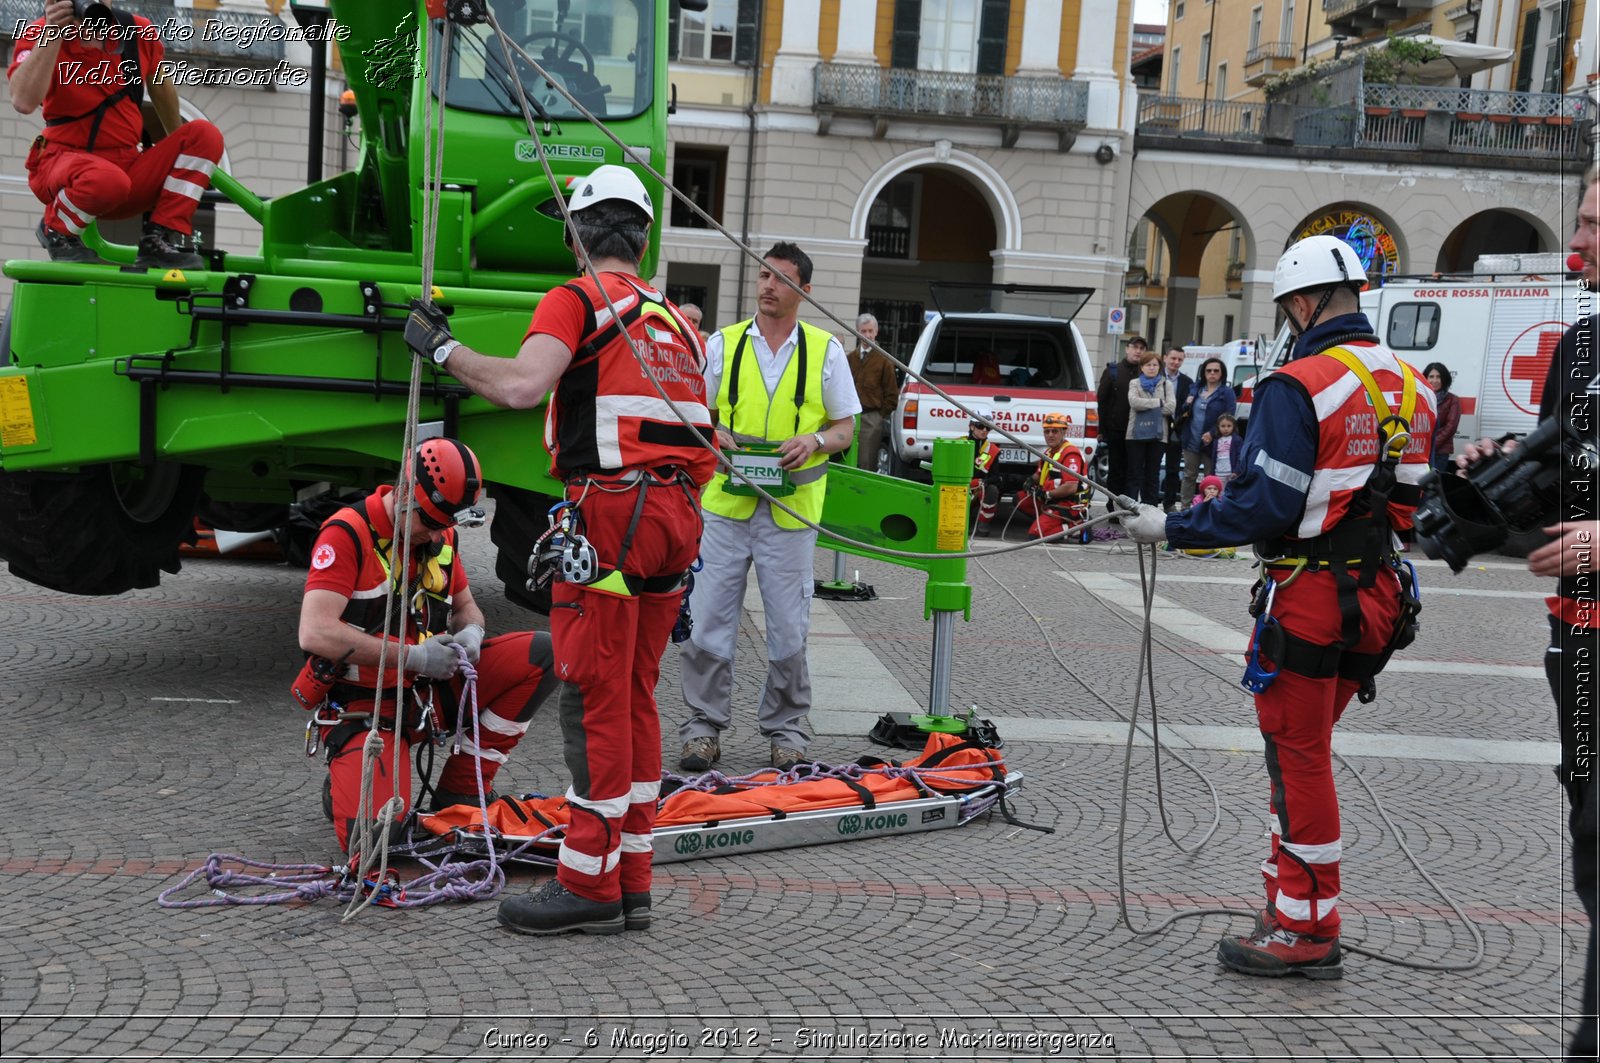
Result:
pixel 1172 369
pixel 1112 398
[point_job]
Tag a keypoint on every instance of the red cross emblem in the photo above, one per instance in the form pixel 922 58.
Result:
pixel 1530 368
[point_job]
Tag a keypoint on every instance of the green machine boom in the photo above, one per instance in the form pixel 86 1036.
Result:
pixel 131 400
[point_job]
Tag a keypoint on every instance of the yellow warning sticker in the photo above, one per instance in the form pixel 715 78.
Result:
pixel 952 531
pixel 16 413
pixel 174 276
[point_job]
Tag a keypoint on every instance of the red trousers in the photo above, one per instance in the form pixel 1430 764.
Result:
pixel 1296 715
pixel 1051 521
pixel 165 180
pixel 608 646
pixel 514 678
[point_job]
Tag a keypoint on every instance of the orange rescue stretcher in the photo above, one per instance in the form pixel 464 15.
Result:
pixel 953 781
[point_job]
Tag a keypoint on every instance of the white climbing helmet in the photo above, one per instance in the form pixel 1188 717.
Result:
pixel 1317 262
pixel 611 182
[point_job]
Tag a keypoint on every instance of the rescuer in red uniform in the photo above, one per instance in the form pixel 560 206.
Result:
pixel 350 581
pixel 1050 496
pixel 1339 440
pixel 90 75
pixel 633 470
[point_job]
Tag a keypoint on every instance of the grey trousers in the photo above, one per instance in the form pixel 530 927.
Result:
pixel 783 564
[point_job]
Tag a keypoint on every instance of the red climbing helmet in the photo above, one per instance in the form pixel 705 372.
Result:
pixel 448 481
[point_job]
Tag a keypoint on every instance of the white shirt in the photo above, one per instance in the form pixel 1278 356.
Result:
pixel 839 398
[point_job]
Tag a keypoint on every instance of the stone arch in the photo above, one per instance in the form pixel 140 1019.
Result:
pixel 1498 230
pixel 1402 250
pixel 1198 281
pixel 990 185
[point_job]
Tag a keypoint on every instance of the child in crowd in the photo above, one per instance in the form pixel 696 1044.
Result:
pixel 1211 491
pixel 1210 488
pixel 1223 450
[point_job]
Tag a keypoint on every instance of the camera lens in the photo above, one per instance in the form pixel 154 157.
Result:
pixel 91 12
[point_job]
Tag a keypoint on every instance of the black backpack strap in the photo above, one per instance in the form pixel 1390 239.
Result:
pixel 597 339
pixel 133 90
pixel 730 370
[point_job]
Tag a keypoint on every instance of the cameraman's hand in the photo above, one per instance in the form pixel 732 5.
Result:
pixel 59 13
pixel 1571 542
pixel 1478 451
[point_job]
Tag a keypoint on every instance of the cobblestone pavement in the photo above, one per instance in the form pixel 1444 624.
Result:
pixel 150 730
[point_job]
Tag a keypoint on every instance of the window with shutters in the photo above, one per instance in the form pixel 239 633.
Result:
pixel 725 32
pixel 1205 57
pixel 1255 30
pixel 1221 90
pixel 963 36
pixel 1539 57
pixel 891 220
pixel 699 173
pixel 1177 69
pixel 1286 30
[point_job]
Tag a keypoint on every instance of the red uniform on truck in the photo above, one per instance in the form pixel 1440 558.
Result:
pixel 90 77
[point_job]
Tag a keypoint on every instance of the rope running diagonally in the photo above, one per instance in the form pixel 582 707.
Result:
pixel 508 46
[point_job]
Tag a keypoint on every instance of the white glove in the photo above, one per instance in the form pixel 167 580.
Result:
pixel 469 638
pixel 433 659
pixel 1147 524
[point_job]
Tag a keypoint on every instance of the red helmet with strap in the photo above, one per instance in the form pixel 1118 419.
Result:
pixel 447 482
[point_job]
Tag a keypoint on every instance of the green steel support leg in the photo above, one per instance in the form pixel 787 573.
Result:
pixel 948 593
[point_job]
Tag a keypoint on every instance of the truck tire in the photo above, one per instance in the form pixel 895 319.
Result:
pixel 242 516
pixel 104 530
pixel 520 517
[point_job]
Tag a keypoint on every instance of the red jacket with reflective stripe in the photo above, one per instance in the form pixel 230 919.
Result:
pixel 1347 433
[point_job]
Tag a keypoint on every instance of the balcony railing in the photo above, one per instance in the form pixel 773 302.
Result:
pixel 1353 16
pixel 1269 50
pixel 1018 102
pixel 209 35
pixel 1212 119
pixel 888 241
pixel 1476 101
pixel 1414 118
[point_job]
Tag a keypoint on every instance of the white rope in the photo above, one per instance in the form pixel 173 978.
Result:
pixel 507 46
pixel 372 832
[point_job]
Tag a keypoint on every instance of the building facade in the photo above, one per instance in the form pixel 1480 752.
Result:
pixel 1046 141
pixel 900 142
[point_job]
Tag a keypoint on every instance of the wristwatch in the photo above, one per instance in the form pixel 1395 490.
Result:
pixel 822 441
pixel 441 353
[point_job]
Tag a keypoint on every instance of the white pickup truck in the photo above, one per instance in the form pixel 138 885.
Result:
pixel 1010 348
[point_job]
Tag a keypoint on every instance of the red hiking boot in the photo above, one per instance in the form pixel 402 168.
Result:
pixel 1275 952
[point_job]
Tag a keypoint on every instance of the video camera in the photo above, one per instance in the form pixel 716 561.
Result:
pixel 92 12
pixel 1516 490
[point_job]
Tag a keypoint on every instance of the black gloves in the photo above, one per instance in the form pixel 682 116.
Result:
pixel 427 329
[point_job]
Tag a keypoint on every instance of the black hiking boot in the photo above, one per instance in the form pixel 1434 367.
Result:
pixel 161 248
pixel 556 910
pixel 636 910
pixel 64 247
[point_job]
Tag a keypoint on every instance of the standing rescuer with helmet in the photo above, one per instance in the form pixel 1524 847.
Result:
pixel 351 578
pixel 633 472
pixel 1339 440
